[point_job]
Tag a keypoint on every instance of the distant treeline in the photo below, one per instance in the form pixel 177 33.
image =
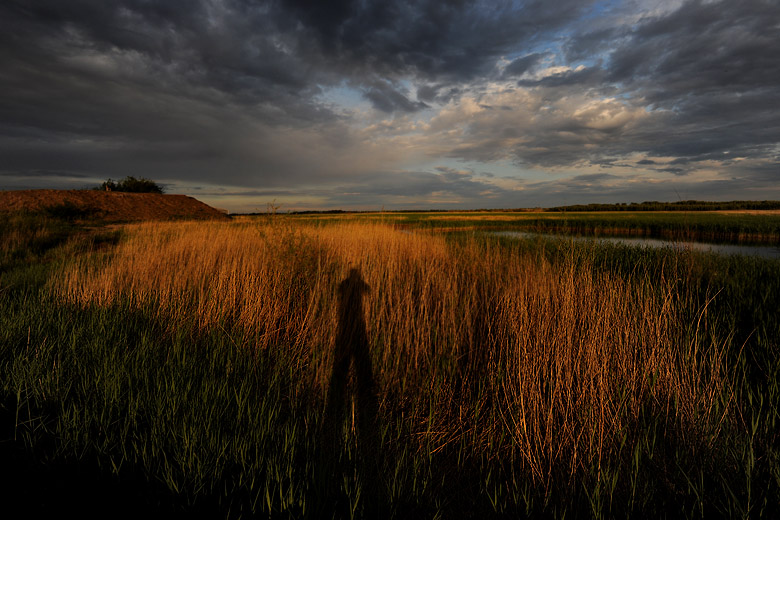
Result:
pixel 681 205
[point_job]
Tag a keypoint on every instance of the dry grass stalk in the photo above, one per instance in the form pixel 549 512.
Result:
pixel 473 345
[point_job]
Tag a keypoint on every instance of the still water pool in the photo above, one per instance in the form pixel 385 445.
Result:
pixel 729 249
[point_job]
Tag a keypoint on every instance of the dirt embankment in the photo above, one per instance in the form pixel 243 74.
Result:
pixel 113 207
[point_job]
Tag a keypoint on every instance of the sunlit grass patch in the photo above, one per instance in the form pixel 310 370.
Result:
pixel 482 354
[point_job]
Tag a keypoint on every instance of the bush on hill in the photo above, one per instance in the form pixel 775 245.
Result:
pixel 132 184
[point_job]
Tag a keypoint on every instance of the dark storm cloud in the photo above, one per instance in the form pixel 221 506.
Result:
pixel 520 65
pixel 582 77
pixel 714 67
pixel 397 190
pixel 387 98
pixel 206 94
pixel 404 190
pixel 278 51
pixel 456 40
pixel 441 93
pixel 701 83
pixel 703 46
pixel 235 92
pixel 83 47
pixel 217 89
pixel 446 184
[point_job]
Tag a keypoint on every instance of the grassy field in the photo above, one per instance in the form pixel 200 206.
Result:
pixel 744 227
pixel 376 366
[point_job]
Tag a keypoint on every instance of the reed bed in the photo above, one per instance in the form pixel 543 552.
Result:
pixel 477 350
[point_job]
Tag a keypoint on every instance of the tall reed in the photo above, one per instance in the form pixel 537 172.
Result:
pixel 477 349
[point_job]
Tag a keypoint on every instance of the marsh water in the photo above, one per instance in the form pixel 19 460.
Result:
pixel 728 249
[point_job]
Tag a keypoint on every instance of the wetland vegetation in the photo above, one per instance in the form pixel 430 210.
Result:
pixel 758 227
pixel 184 369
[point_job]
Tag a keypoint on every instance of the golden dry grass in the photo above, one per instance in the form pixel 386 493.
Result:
pixel 748 212
pixel 15 240
pixel 473 345
pixel 486 216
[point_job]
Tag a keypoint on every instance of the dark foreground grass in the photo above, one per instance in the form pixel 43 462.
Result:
pixel 106 413
pixel 113 412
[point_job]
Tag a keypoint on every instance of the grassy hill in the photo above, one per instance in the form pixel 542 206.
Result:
pixel 109 207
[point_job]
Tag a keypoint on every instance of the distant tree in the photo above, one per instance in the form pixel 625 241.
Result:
pixel 136 185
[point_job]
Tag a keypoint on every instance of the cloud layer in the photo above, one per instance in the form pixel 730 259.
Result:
pixel 364 103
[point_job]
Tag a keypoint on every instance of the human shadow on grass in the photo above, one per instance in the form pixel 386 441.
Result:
pixel 352 407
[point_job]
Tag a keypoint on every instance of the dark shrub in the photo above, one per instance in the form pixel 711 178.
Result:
pixel 136 185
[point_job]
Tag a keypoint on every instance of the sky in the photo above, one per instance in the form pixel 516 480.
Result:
pixel 395 104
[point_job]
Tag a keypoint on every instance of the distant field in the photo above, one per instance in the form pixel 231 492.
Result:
pixel 306 366
pixel 725 226
pixel 749 212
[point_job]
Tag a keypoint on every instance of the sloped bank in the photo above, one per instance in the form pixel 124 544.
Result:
pixel 109 207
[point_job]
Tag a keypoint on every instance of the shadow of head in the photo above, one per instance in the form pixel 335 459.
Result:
pixel 351 353
pixel 353 286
